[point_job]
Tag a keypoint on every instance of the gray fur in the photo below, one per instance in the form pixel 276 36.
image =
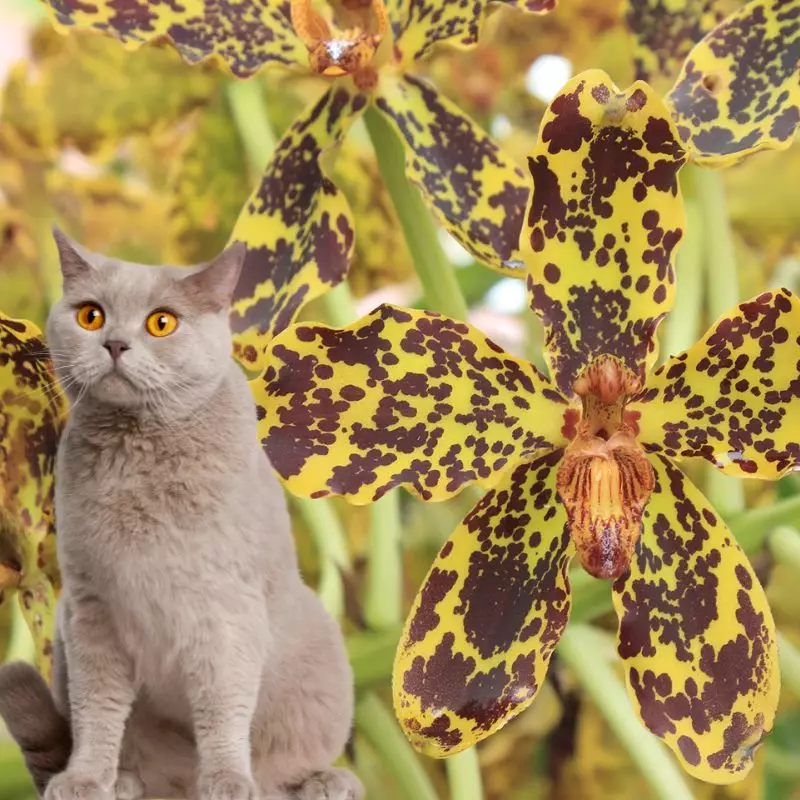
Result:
pixel 190 659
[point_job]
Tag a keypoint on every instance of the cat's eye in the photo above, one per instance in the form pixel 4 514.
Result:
pixel 161 323
pixel 91 317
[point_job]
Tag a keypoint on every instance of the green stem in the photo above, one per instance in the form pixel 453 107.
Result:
pixel 722 291
pixel 434 269
pixel 464 775
pixel 249 112
pixel 607 692
pixel 331 543
pixel 591 598
pixel 789 657
pixel 784 544
pixel 720 258
pixel 683 326
pixel 21 646
pixel 378 726
pixel 371 655
pixel 340 308
pixel 781 763
pixel 383 599
pixel 752 527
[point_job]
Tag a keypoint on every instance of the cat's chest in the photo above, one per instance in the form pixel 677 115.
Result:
pixel 135 492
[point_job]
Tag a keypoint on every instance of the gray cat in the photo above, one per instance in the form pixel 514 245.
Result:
pixel 190 659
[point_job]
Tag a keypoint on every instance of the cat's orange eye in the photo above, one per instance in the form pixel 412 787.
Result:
pixel 161 323
pixel 91 317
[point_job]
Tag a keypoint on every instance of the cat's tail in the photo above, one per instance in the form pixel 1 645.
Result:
pixel 31 716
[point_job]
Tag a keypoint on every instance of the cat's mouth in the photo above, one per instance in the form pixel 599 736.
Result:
pixel 116 386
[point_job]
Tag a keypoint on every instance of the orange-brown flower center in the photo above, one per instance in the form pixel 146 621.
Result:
pixel 350 51
pixel 605 479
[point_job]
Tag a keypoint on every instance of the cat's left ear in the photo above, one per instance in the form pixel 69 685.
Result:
pixel 73 258
pixel 216 282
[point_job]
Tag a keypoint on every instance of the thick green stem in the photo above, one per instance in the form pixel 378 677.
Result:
pixel 607 692
pixel 378 726
pixel 722 291
pixel 249 112
pixel 781 763
pixel 789 657
pixel 722 275
pixel 683 326
pixel 383 599
pixel 784 544
pixel 340 308
pixel 752 527
pixel 434 269
pixel 464 776
pixel 331 542
pixel 371 655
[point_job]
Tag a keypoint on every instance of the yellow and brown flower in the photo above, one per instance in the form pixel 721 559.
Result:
pixel 583 463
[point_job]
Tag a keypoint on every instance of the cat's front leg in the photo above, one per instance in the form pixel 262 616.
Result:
pixel 101 693
pixel 223 690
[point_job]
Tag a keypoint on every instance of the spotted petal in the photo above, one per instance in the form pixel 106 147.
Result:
pixel 475 189
pixel 400 397
pixel 739 90
pixel 666 30
pixel 297 227
pixel 602 224
pixel 478 641
pixel 31 412
pixel 696 634
pixel 420 25
pixel 733 398
pixel 239 35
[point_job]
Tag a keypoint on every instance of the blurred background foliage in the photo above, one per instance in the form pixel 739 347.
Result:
pixel 147 159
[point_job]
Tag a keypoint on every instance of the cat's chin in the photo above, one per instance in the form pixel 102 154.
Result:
pixel 115 389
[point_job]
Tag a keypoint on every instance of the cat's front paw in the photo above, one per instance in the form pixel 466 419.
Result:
pixel 70 786
pixel 331 784
pixel 226 786
pixel 128 787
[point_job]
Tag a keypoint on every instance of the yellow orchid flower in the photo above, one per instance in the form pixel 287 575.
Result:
pixel 584 463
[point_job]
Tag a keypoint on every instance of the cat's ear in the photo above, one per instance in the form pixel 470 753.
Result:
pixel 74 259
pixel 216 282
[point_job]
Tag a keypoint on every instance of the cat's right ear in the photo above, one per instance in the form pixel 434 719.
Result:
pixel 73 262
pixel 216 281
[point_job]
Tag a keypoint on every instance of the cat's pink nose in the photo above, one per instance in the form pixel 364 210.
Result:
pixel 116 348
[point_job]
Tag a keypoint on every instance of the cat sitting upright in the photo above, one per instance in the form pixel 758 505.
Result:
pixel 190 660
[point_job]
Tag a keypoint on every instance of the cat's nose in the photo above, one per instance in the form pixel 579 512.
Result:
pixel 116 348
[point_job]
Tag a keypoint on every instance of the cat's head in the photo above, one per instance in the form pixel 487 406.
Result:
pixel 134 336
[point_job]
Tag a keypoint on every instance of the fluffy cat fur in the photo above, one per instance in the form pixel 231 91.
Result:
pixel 190 660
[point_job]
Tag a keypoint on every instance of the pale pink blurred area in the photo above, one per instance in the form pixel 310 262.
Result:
pixel 16 20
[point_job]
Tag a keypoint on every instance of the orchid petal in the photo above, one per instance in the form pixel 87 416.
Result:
pixel 400 397
pixel 297 227
pixel 478 641
pixel 734 397
pixel 603 222
pixel 696 634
